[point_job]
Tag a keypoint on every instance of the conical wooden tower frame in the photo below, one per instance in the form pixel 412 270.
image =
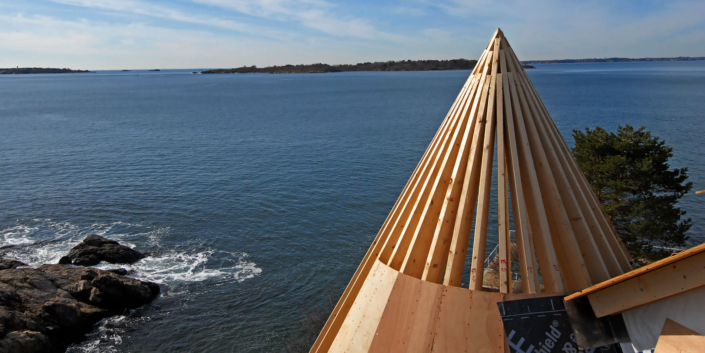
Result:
pixel 404 295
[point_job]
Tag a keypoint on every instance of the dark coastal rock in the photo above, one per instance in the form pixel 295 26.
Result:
pixel 119 271
pixel 48 308
pixel 95 249
pixel 6 264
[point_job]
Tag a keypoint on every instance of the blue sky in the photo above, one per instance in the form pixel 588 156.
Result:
pixel 141 34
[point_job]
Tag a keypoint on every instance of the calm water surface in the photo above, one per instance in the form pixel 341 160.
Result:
pixel 256 192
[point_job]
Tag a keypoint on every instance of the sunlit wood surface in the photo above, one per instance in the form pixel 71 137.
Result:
pixel 403 297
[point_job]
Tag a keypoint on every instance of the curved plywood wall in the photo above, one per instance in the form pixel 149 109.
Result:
pixel 564 239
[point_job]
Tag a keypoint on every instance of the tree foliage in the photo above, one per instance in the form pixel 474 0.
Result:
pixel 403 65
pixel 630 174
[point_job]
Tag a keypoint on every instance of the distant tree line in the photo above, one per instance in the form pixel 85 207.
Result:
pixel 611 60
pixel 37 70
pixel 404 65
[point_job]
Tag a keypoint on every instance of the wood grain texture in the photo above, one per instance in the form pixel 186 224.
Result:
pixel 676 338
pixel 357 331
pixel 561 228
pixel 648 287
pixel 696 250
pixel 408 322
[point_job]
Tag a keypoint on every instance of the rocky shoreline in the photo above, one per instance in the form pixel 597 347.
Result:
pixel 48 308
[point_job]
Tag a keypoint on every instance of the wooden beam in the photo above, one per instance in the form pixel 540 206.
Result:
pixel 568 227
pixel 537 213
pixel 583 219
pixel 340 311
pixel 420 245
pixel 606 226
pixel 401 248
pixel 649 287
pixel 414 186
pixel 505 256
pixel 466 207
pixel 699 249
pixel 483 206
pixel 426 185
pixel 442 237
pixel 523 231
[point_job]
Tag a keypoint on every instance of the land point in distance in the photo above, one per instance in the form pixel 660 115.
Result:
pixel 403 65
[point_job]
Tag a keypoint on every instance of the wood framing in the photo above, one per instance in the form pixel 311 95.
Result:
pixel 676 338
pixel 659 280
pixel 406 294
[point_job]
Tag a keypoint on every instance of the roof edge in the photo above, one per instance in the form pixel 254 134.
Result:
pixel 639 271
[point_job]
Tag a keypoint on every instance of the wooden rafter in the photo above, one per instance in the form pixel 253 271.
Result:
pixel 564 239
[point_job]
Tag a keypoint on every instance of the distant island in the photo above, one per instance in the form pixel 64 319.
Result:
pixel 404 65
pixel 38 70
pixel 611 60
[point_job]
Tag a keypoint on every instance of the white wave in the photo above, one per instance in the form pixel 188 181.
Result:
pixel 18 235
pixel 43 241
pixel 105 338
pixel 176 266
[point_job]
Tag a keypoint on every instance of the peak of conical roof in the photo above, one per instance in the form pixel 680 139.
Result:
pixel 564 240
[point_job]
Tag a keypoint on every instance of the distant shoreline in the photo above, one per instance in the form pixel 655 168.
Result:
pixel 38 70
pixel 403 65
pixel 416 65
pixel 612 60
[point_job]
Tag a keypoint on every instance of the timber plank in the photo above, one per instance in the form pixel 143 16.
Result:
pixel 483 205
pixel 522 228
pixel 454 321
pixel 408 321
pixel 649 287
pixel 676 338
pixel 356 332
pixel 696 250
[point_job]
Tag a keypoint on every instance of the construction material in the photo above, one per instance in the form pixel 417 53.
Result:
pixel 676 338
pixel 565 243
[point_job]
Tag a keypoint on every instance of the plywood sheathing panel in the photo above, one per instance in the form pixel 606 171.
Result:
pixel 357 331
pixel 676 338
pixel 407 324
pixel 455 325
pixel 395 312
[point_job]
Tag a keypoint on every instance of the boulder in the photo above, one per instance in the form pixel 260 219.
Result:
pixel 95 249
pixel 48 308
pixel 119 271
pixel 8 264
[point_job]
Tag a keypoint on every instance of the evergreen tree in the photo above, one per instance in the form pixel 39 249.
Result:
pixel 630 174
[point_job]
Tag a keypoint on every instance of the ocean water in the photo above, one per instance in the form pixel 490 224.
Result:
pixel 257 193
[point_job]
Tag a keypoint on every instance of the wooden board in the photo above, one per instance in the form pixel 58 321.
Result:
pixel 483 201
pixel 357 331
pixel 559 222
pixel 649 287
pixel 408 322
pixel 696 250
pixel 453 331
pixel 676 338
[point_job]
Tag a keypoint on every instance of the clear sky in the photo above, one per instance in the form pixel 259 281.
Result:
pixel 143 34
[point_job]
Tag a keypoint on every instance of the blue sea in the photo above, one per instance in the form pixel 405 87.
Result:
pixel 255 194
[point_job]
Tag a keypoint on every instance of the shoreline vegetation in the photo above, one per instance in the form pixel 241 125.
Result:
pixel 38 70
pixel 404 65
pixel 611 60
pixel 415 65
